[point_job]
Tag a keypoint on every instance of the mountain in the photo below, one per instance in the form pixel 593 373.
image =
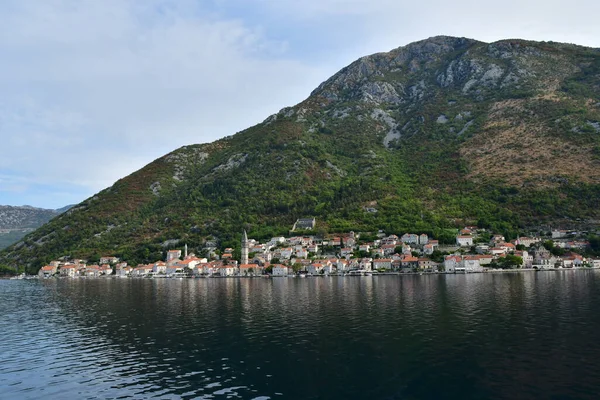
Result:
pixel 16 222
pixel 426 137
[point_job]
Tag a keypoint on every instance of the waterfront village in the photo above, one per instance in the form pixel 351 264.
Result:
pixel 475 250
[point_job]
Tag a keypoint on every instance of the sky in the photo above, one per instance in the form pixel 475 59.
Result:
pixel 91 91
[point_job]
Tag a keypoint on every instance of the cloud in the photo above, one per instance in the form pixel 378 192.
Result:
pixel 93 90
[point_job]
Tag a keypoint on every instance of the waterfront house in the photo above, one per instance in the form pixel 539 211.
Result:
pixel 315 268
pixel 471 264
pixel 426 264
pixel 365 264
pixel 47 271
pixel 159 268
pixel 250 270
pixel 408 262
pixel 382 263
pixel 142 270
pixel 93 271
pixel 451 263
pixel 105 269
pixel 342 265
pixel 280 270
pixel 227 270
pixel 69 270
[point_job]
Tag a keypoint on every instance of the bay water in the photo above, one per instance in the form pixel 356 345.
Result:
pixel 479 336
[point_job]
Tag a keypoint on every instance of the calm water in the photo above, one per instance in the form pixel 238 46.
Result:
pixel 486 336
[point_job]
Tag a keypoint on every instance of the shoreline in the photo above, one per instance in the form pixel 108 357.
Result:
pixel 391 273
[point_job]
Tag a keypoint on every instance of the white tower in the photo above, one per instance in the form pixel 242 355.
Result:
pixel 244 248
pixel 185 251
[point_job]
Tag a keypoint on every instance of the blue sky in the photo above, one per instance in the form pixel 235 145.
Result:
pixel 91 91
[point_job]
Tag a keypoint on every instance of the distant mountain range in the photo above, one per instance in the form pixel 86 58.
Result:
pixel 425 138
pixel 16 222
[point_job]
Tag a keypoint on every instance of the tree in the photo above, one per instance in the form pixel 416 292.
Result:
pixel 510 261
pixel 269 269
pixel 297 267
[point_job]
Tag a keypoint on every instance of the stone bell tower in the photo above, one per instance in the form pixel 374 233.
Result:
pixel 244 248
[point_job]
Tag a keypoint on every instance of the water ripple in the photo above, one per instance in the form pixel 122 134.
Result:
pixel 496 336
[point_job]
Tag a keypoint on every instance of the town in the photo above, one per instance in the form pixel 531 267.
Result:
pixel 474 251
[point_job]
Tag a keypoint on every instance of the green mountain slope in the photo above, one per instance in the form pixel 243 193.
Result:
pixel 423 138
pixel 16 222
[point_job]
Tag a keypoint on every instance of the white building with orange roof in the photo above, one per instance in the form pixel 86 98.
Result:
pixel 142 270
pixel 159 268
pixel 464 240
pixel 382 263
pixel 190 263
pixel 452 262
pixel 281 270
pixel 227 270
pixel 68 270
pixel 315 268
pixel 93 271
pixel 250 270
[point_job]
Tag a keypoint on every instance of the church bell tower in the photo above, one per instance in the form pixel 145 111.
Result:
pixel 244 248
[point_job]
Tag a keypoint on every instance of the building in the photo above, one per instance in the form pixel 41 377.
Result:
pixel 109 260
pixel 280 270
pixel 382 263
pixel 305 223
pixel 526 241
pixel 410 238
pixel 47 271
pixel 250 270
pixel 244 258
pixel 173 255
pixel 464 240
pixel 426 264
pixel 462 264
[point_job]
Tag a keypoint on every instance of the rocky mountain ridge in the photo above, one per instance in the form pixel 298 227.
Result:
pixel 422 138
pixel 17 221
